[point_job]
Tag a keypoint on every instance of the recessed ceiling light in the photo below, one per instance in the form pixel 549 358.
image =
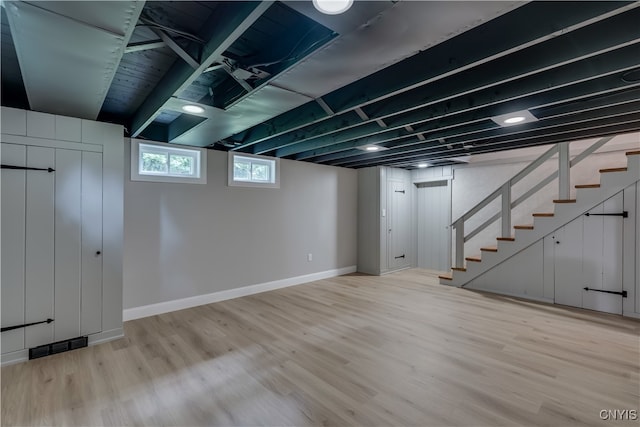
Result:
pixel 370 148
pixel 193 109
pixel 515 118
pixel 422 165
pixel 332 7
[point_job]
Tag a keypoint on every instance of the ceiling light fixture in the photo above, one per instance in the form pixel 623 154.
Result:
pixel 332 7
pixel 422 165
pixel 515 118
pixel 372 148
pixel 193 109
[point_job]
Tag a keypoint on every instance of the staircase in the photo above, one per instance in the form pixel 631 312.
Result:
pixel 588 195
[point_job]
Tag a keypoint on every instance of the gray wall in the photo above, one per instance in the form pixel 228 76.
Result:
pixel 184 240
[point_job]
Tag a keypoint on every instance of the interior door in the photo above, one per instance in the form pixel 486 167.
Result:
pixel 588 259
pixel 51 245
pixel 399 236
pixel 602 262
pixel 434 217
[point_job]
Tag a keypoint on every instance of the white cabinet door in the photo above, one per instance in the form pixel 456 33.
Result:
pixel 91 294
pixel 568 263
pixel 602 262
pixel 588 259
pixel 68 222
pixel 39 246
pixel 13 223
pixel 399 225
pixel 51 245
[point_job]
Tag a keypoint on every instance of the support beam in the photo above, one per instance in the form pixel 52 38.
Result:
pixel 361 114
pixel 176 48
pixel 325 107
pixel 229 22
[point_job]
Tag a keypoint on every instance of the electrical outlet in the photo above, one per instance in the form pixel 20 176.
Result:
pixel 309 257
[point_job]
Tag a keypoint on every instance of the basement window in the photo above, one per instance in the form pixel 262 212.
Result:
pixel 160 162
pixel 248 170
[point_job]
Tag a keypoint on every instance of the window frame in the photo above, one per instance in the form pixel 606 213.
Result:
pixel 272 162
pixel 199 155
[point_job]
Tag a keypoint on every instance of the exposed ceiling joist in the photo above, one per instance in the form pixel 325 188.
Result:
pixel 520 94
pixel 224 28
pixel 454 131
pixel 537 59
pixel 528 25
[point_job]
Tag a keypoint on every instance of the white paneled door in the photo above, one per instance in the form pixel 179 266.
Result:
pixel 588 259
pixel 399 232
pixel 51 245
pixel 434 217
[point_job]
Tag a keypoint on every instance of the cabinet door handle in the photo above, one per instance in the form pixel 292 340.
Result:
pixel 98 252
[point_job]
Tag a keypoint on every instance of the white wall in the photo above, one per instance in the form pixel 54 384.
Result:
pixel 185 240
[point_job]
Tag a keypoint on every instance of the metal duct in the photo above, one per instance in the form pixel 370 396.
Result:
pixel 69 51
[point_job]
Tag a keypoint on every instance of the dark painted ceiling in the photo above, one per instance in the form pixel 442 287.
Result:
pixel 421 80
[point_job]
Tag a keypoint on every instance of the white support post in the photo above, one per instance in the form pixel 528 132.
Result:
pixel 459 226
pixel 564 180
pixel 506 210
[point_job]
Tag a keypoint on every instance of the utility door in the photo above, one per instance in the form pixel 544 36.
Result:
pixel 588 259
pixel 399 225
pixel 51 245
pixel 434 217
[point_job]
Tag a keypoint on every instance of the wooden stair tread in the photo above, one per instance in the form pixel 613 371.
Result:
pixel 523 227
pixel 564 201
pixel 445 276
pixel 458 269
pixel 613 170
pixel 544 214
pixel 473 259
pixel 588 186
pixel 506 239
pixel 490 249
pixel 632 153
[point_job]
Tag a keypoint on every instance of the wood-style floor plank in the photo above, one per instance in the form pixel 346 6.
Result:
pixel 355 350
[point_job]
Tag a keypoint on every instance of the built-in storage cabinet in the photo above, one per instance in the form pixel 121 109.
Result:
pixel 587 257
pixel 61 231
pixel 385 220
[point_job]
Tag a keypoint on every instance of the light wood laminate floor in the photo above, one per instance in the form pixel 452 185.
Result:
pixel 355 350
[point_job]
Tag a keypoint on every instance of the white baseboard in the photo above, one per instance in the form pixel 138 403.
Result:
pixel 181 304
pixel 94 339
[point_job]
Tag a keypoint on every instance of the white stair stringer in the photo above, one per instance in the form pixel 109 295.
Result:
pixel 611 183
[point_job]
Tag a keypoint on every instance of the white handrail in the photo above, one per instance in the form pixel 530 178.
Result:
pixel 505 190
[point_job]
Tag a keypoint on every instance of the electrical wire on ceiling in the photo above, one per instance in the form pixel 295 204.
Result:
pixel 147 22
